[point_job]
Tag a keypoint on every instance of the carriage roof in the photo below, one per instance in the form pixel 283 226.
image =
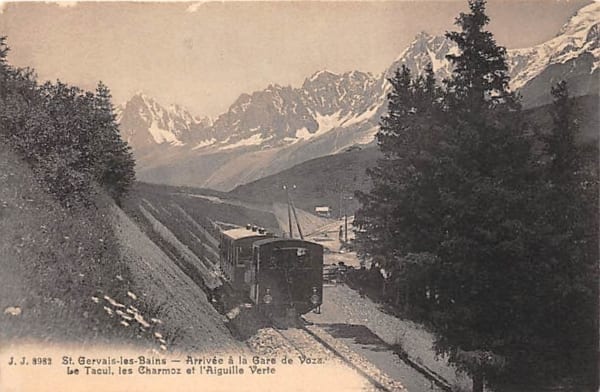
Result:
pixel 242 232
pixel 286 242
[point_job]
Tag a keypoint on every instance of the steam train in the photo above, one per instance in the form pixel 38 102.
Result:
pixel 278 275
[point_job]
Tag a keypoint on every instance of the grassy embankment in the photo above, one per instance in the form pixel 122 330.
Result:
pixel 54 260
pixel 90 276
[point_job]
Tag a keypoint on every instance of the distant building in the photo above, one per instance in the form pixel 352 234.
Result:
pixel 323 211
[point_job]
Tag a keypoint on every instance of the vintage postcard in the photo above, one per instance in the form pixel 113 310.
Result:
pixel 299 195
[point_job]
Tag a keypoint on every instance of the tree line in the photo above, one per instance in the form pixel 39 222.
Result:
pixel 485 221
pixel 69 136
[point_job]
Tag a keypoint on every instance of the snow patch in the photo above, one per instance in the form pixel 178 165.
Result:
pixel 328 122
pixel 436 63
pixel 368 137
pixel 569 44
pixel 254 140
pixel 302 133
pixel 161 135
pixel 205 143
pixel 319 73
pixel 361 117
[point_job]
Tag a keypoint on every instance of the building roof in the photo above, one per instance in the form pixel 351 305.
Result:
pixel 322 209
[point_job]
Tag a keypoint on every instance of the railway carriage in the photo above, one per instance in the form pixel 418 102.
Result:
pixel 236 254
pixel 276 274
pixel 286 273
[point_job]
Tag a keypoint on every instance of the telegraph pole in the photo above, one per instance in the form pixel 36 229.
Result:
pixel 289 210
pixel 292 208
pixel 339 187
pixel 345 225
pixel 295 215
pixel 346 218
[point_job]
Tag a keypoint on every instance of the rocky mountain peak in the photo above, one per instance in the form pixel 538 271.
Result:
pixel 323 76
pixel 426 49
pixel 146 124
pixel 584 19
pixel 331 111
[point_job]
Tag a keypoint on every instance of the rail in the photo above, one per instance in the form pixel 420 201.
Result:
pixel 290 340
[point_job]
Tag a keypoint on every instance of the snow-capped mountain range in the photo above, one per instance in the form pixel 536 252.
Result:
pixel 274 117
pixel 146 125
pixel 273 129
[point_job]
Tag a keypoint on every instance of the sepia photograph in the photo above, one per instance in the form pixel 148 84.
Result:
pixel 394 195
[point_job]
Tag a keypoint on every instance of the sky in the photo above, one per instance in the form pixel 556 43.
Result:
pixel 204 55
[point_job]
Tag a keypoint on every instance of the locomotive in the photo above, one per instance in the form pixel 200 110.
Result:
pixel 279 275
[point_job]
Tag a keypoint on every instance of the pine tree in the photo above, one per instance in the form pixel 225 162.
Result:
pixel 404 138
pixel 450 206
pixel 480 76
pixel 485 184
pixel 567 217
pixel 397 219
pixel 114 163
pixel 374 218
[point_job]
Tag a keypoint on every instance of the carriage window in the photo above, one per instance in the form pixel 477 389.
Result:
pixel 301 252
pixel 245 252
pixel 303 255
pixel 290 255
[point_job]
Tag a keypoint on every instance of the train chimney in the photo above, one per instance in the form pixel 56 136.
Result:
pixel 261 230
pixel 254 228
pixel 248 226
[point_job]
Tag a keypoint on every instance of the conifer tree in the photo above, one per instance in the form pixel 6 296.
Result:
pixel 480 73
pixel 567 223
pixel 114 166
pixel 485 185
pixel 374 218
pixel 453 193
pixel 405 137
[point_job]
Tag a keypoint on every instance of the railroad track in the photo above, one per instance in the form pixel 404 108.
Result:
pixel 312 342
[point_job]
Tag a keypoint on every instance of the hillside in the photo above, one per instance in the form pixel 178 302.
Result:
pixel 184 221
pixel 66 271
pixel 188 318
pixel 589 117
pixel 323 181
pixel 53 261
pixel 319 182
